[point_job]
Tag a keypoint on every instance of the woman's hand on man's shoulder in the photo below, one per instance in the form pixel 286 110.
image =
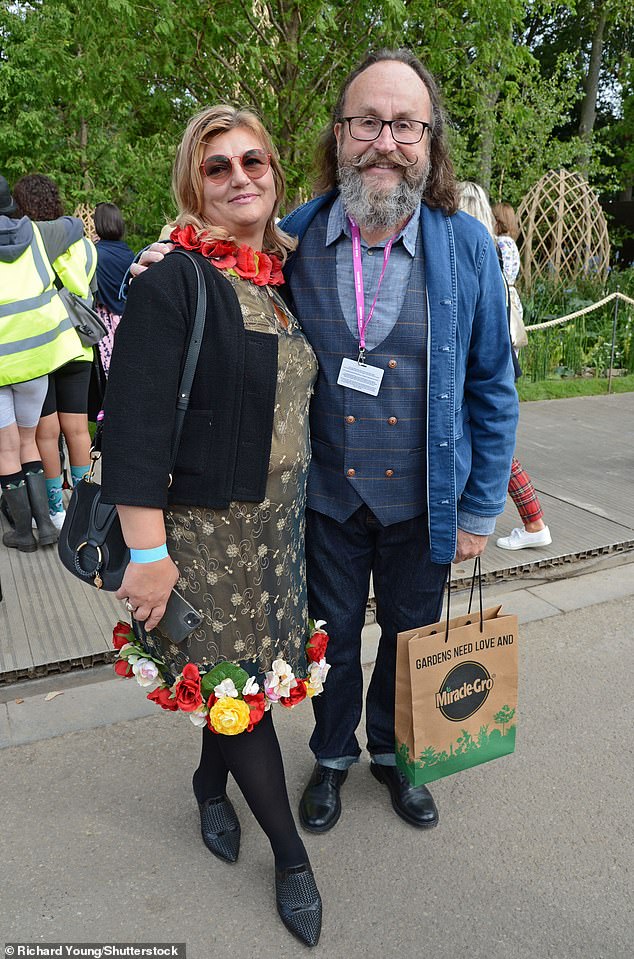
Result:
pixel 154 254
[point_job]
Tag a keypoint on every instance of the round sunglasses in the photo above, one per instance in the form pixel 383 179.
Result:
pixel 217 168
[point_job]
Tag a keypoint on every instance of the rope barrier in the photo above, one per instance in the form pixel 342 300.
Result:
pixel 587 309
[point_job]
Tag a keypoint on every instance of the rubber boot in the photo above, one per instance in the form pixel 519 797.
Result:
pixel 6 512
pixel 47 532
pixel 21 537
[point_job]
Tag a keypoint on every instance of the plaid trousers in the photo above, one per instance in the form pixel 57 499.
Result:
pixel 523 494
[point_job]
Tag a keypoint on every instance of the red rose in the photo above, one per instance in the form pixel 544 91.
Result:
pixel 163 697
pixel 122 668
pixel 222 253
pixel 265 265
pixel 316 647
pixel 297 693
pixel 245 263
pixel 256 703
pixel 188 696
pixel 277 277
pixel 122 634
pixel 186 237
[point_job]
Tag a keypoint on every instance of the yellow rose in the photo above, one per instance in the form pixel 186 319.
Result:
pixel 230 716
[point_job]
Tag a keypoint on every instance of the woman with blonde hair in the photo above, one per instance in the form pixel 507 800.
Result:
pixel 227 528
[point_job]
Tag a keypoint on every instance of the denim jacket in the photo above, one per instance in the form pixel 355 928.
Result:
pixel 471 402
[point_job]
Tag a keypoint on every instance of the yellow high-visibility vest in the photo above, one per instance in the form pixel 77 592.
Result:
pixel 36 334
pixel 76 268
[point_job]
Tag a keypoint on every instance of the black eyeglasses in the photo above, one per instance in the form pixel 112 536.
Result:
pixel 255 164
pixel 402 130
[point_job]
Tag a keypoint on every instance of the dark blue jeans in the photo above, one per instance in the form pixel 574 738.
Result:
pixel 408 588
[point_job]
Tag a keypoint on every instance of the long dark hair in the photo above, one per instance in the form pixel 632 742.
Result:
pixel 441 190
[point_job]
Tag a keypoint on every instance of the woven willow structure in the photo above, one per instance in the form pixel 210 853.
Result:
pixel 84 213
pixel 565 234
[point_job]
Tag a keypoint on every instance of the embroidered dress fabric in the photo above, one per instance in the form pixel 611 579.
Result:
pixel 243 567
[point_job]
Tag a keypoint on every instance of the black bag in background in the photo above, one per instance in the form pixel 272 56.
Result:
pixel 91 544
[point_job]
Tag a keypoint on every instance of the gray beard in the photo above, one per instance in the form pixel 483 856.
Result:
pixel 380 209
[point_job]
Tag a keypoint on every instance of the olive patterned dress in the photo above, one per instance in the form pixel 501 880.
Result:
pixel 243 567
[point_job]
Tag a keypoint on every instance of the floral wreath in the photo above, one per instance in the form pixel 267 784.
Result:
pixel 224 698
pixel 265 269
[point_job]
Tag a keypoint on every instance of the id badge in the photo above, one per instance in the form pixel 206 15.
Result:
pixel 360 377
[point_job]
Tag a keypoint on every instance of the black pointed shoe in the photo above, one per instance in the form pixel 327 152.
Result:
pixel 414 804
pixel 299 902
pixel 220 828
pixel 320 805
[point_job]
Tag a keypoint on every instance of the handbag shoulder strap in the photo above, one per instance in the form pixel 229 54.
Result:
pixel 189 367
pixel 191 359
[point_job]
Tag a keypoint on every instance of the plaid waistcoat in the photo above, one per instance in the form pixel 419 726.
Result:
pixel 366 449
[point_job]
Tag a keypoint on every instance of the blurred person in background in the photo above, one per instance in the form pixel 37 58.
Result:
pixel 501 225
pixel 114 257
pixel 36 338
pixel 66 403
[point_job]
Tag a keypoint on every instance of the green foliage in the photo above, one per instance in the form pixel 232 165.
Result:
pixel 99 100
pixel 582 346
pixel 221 672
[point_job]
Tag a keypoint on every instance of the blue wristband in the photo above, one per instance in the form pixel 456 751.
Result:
pixel 148 555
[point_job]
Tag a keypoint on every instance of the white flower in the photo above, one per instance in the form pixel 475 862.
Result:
pixel 319 623
pixel 145 671
pixel 264 598
pixel 279 569
pixel 262 550
pixel 212 578
pixel 279 680
pixel 250 687
pixel 199 716
pixel 232 549
pixel 236 599
pixel 226 688
pixel 317 673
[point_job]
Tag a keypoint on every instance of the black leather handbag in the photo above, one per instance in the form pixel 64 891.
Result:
pixel 91 544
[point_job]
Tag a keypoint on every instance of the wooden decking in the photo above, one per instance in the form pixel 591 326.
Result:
pixel 579 453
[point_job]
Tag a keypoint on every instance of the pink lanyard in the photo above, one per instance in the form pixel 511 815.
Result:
pixel 362 323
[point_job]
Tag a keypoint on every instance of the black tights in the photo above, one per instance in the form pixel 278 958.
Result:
pixel 255 762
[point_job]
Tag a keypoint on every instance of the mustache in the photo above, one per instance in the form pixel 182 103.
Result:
pixel 370 157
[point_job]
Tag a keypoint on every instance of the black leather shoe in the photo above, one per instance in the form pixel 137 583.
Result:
pixel 414 804
pixel 220 828
pixel 299 902
pixel 320 805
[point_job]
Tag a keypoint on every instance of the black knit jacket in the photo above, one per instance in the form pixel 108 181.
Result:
pixel 226 440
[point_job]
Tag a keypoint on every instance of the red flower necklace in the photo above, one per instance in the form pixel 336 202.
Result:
pixel 264 269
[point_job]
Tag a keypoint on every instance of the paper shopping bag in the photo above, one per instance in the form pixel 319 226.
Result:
pixel 456 694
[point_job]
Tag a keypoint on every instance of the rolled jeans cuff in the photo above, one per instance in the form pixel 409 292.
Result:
pixel 384 759
pixel 339 762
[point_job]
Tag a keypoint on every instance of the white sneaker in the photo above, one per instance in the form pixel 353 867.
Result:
pixel 522 539
pixel 57 519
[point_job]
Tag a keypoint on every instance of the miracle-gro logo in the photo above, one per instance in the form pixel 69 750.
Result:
pixel 463 691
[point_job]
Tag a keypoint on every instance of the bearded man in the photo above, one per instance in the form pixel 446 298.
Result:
pixel 414 413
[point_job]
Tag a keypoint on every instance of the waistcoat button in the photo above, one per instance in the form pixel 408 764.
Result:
pixel 389 473
pixel 350 419
pixel 392 421
pixel 351 472
pixel 392 364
